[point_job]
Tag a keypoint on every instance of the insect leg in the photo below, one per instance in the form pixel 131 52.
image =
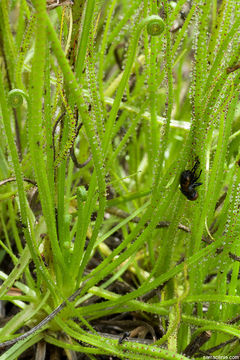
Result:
pixel 197 177
pixel 195 166
pixel 196 185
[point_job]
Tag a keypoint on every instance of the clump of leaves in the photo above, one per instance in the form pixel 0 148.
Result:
pixel 103 106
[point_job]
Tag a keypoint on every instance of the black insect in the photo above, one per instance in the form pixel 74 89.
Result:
pixel 123 337
pixel 188 182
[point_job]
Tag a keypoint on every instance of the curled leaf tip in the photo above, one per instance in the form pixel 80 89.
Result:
pixel 15 97
pixel 155 26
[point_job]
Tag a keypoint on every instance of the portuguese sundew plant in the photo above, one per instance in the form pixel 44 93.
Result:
pixel 106 107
